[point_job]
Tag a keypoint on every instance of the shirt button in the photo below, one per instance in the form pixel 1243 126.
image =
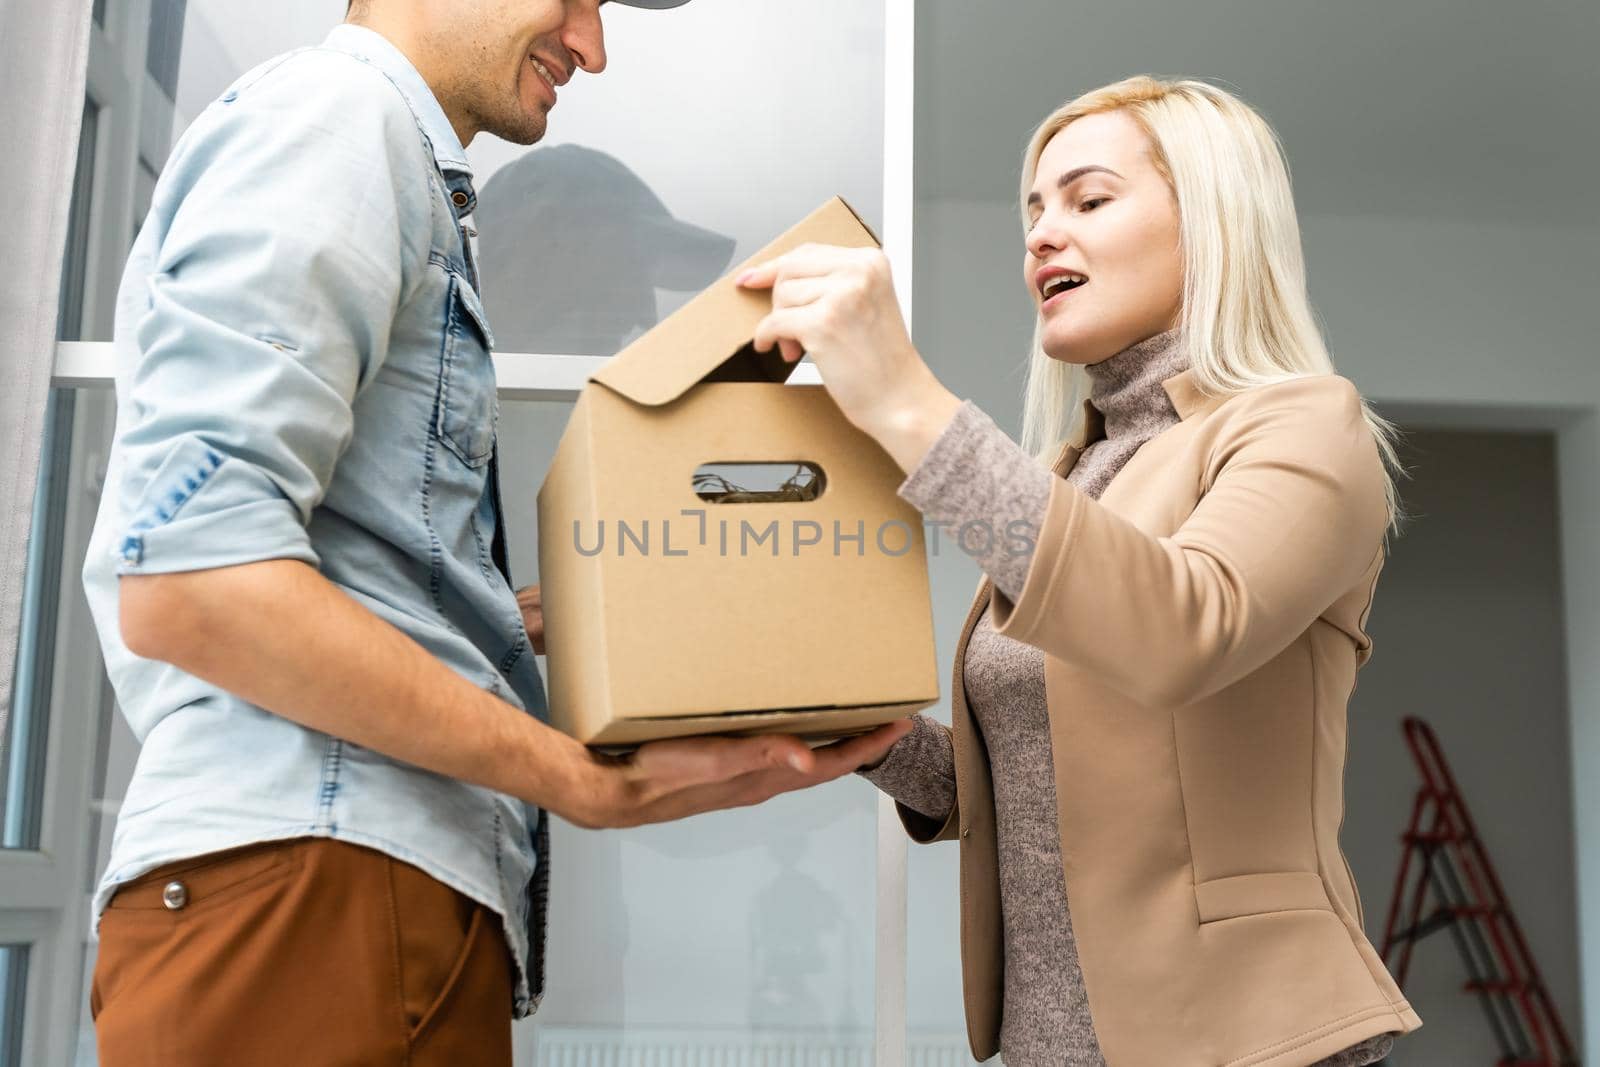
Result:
pixel 175 895
pixel 459 199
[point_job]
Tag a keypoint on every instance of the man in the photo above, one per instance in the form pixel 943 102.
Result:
pixel 332 849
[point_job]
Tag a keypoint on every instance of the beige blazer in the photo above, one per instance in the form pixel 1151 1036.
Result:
pixel 1202 625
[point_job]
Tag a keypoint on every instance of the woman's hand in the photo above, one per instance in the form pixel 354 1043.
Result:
pixel 838 304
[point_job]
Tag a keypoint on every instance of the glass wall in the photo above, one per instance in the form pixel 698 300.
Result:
pixel 715 128
pixel 23 746
pixel 13 990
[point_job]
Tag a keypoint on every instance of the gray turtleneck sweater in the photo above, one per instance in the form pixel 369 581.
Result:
pixel 975 473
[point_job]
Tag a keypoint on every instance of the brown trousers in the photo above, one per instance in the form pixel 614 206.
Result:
pixel 309 952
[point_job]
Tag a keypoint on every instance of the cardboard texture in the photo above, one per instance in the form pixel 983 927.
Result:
pixel 669 615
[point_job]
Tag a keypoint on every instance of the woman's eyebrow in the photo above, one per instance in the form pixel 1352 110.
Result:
pixel 1071 176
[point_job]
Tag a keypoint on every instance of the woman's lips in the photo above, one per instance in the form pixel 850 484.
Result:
pixel 1055 301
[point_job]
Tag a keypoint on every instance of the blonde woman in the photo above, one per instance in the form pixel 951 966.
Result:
pixel 1145 771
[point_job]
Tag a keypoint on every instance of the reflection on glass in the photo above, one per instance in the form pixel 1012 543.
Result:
pixel 801 942
pixel 84 1052
pixel 27 729
pixel 573 247
pixel 164 47
pixel 75 266
pixel 738 934
pixel 744 936
pixel 13 1002
pixel 22 748
pixel 747 930
pixel 687 153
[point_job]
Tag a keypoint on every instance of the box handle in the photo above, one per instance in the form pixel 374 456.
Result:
pixel 733 482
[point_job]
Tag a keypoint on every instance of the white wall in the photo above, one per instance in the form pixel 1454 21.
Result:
pixel 1491 325
pixel 1579 496
pixel 1438 312
pixel 1468 634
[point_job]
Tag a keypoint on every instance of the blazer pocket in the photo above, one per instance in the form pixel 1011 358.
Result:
pixel 1260 894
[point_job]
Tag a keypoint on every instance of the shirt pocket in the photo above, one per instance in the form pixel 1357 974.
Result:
pixel 465 408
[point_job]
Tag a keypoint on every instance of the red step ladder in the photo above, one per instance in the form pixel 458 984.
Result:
pixel 1447 882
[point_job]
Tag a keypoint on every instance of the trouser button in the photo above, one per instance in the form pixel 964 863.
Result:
pixel 175 895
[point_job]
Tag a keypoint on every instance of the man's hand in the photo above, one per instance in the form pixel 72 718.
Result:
pixel 529 600
pixel 666 780
pixel 281 636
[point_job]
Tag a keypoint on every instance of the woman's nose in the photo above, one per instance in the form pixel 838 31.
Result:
pixel 1045 239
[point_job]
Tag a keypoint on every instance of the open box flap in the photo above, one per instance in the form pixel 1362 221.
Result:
pixel 708 339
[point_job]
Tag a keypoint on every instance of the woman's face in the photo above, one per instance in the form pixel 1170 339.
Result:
pixel 1100 211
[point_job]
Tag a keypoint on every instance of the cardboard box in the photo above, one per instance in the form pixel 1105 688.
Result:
pixel 667 614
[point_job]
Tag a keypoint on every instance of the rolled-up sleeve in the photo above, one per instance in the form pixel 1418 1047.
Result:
pixel 293 224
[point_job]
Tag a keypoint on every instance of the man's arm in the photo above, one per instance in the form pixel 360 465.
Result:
pixel 295 235
pixel 281 636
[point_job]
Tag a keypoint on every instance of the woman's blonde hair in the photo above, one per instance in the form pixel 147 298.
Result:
pixel 1247 318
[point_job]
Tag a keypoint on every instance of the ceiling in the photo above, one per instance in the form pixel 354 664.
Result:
pixel 1475 110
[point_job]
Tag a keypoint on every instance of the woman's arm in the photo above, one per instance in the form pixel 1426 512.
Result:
pixel 988 494
pixel 974 479
pixel 1293 515
pixel 919 772
pixel 1293 511
pixel 985 493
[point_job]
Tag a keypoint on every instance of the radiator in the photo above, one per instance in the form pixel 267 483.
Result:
pixel 571 1047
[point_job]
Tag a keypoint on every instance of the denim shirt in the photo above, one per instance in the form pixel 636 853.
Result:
pixel 304 372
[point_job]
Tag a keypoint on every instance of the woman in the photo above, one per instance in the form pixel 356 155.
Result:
pixel 1149 700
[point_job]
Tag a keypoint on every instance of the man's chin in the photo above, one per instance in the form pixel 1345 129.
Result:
pixel 523 135
pixel 523 127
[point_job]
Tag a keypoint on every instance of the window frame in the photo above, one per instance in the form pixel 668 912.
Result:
pixel 46 896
